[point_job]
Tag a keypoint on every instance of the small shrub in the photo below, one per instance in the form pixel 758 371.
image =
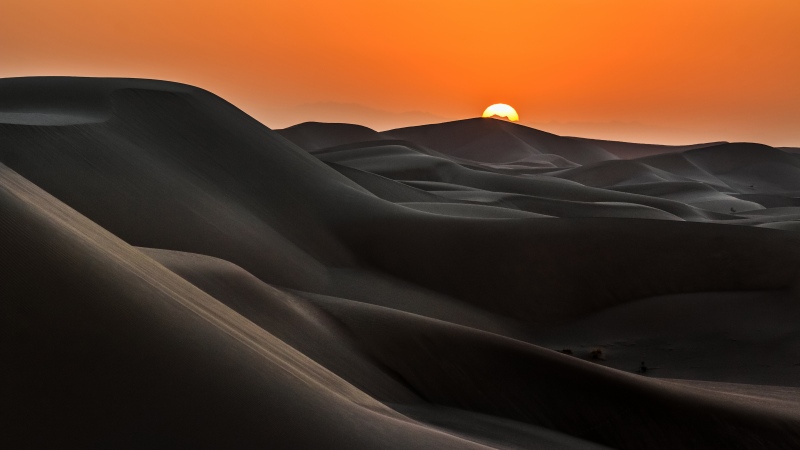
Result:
pixel 597 354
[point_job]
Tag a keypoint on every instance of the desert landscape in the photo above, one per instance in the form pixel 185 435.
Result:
pixel 175 274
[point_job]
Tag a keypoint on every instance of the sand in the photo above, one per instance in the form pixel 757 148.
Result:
pixel 175 274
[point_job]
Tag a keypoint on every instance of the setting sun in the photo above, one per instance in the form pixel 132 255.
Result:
pixel 501 110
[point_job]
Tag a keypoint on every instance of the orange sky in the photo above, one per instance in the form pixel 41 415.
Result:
pixel 660 71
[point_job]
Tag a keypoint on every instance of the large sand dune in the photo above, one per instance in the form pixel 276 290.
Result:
pixel 175 274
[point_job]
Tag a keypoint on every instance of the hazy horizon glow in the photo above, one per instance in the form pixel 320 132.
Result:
pixel 662 71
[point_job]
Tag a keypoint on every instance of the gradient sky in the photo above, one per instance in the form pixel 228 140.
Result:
pixel 673 71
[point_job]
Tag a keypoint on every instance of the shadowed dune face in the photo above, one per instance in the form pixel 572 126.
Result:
pixel 176 275
pixel 27 101
pixel 491 140
pixel 123 350
pixel 314 135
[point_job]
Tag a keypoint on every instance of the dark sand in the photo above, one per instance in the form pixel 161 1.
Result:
pixel 174 274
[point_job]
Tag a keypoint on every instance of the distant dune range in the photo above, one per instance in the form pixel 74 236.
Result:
pixel 174 274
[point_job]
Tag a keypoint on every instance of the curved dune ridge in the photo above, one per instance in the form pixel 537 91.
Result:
pixel 175 274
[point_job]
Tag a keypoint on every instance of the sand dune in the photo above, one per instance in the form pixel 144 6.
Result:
pixel 315 135
pixel 495 141
pixel 401 163
pixel 629 150
pixel 116 350
pixel 491 374
pixel 720 336
pixel 174 274
pixel 750 167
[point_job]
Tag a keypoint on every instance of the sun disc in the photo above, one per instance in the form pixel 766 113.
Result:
pixel 501 110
